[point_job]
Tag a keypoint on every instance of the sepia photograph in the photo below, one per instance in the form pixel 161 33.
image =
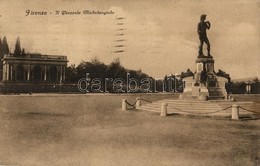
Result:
pixel 129 83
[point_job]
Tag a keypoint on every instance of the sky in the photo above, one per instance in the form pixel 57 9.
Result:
pixel 157 36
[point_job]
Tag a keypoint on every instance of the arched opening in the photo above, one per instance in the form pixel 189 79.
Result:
pixel 20 73
pixel 53 74
pixel 37 73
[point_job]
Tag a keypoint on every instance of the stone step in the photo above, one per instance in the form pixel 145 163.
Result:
pixel 185 107
pixel 202 113
pixel 158 109
pixel 200 101
pixel 215 90
pixel 204 104
pixel 194 104
pixel 189 108
pixel 209 104
pixel 197 107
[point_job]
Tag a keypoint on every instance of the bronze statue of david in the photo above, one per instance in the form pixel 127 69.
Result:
pixel 203 26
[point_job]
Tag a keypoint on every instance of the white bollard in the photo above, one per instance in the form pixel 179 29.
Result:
pixel 138 102
pixel 235 112
pixel 164 109
pixel 124 107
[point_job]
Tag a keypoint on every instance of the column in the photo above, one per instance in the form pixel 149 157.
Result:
pixel 28 72
pixel 61 73
pixel 57 74
pixel 7 72
pixel 4 73
pixel 45 72
pixel 248 88
pixel 64 69
pixel 11 72
pixel 42 75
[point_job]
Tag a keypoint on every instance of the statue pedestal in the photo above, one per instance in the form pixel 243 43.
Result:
pixel 199 90
pixel 205 83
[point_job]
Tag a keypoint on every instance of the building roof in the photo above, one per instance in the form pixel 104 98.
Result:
pixel 36 58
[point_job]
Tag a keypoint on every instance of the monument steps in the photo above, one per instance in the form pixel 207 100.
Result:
pixel 216 97
pixel 216 93
pixel 197 107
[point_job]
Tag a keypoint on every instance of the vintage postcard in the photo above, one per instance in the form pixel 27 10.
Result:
pixel 128 82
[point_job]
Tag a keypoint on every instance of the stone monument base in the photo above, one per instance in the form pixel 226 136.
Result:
pixel 205 84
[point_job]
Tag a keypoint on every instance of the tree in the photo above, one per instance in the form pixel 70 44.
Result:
pixel 98 69
pixel 4 47
pixel 71 74
pixel 23 53
pixel 17 50
pixel 1 48
pixel 116 70
pixel 95 68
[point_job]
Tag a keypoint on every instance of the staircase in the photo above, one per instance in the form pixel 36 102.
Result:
pixel 195 107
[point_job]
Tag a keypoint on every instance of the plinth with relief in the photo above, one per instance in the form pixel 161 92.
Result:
pixel 205 84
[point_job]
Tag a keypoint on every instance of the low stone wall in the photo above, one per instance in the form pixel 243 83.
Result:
pixel 8 88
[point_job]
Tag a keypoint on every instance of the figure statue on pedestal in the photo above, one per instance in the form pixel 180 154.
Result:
pixel 202 28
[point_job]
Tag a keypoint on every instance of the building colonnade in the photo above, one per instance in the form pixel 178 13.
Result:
pixel 33 72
